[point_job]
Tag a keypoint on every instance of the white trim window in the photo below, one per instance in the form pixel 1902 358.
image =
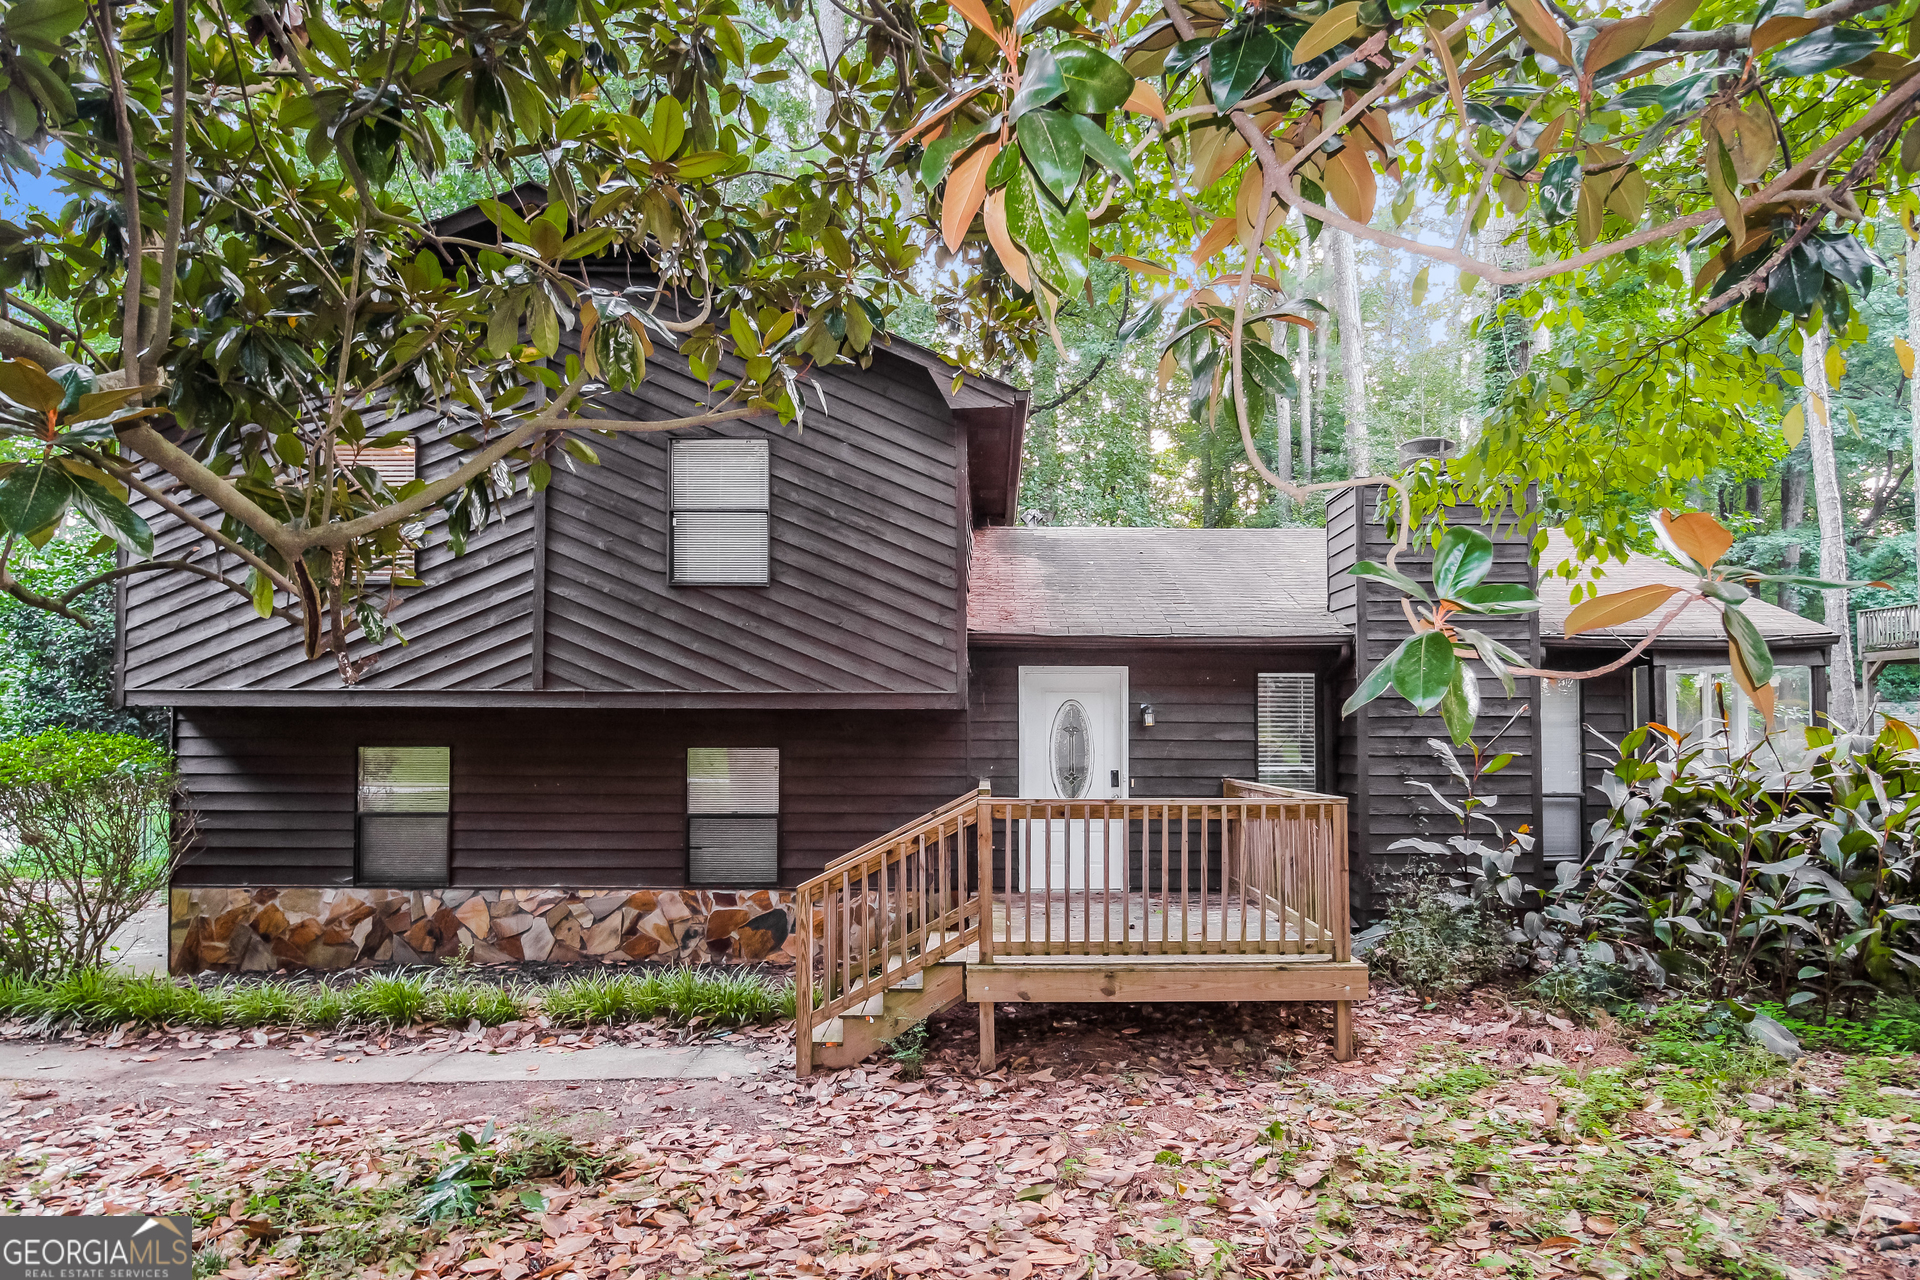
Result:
pixel 720 492
pixel 1288 730
pixel 1562 773
pixel 1707 705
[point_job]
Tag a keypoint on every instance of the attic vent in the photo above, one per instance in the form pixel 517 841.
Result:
pixel 733 815
pixel 1289 741
pixel 395 466
pixel 720 513
pixel 403 806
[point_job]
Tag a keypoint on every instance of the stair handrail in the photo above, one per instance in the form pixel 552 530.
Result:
pixel 922 918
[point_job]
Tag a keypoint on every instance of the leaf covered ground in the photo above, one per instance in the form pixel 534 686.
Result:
pixel 1118 1142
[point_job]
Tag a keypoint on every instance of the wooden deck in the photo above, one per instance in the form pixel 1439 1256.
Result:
pixel 1240 897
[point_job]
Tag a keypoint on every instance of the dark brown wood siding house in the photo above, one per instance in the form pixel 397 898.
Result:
pixel 648 702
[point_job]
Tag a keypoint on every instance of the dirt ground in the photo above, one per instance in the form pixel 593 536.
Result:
pixel 1115 1141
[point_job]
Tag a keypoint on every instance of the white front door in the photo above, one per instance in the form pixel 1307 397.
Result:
pixel 1073 746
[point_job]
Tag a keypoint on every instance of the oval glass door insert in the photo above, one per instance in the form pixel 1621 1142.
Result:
pixel 1071 750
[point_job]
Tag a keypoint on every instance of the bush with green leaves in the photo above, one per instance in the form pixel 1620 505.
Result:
pixel 1438 940
pixel 1745 880
pixel 92 834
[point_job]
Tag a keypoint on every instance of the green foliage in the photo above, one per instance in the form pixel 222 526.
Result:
pixel 99 997
pixel 1437 940
pixel 909 1049
pixel 1731 875
pixel 63 757
pixel 719 997
pixel 93 832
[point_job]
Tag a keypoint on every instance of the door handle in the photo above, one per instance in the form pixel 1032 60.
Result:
pixel 1113 779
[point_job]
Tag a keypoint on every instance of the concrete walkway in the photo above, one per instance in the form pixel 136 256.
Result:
pixel 50 1063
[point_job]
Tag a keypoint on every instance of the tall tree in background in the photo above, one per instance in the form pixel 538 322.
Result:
pixel 1353 353
pixel 1842 700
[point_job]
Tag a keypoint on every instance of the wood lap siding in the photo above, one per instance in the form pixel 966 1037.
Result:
pixel 551 797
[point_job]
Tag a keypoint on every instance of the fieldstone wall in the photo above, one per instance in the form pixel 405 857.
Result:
pixel 257 930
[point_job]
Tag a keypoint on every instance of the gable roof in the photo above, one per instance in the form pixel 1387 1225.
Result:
pixel 1698 623
pixel 1170 584
pixel 994 413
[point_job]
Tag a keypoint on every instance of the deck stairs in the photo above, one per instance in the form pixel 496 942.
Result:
pixel 855 1035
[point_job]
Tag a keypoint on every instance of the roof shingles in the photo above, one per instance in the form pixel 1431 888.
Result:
pixel 1698 623
pixel 1158 583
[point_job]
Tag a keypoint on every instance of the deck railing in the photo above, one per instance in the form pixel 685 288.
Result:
pixel 1260 870
pixel 882 913
pixel 1894 627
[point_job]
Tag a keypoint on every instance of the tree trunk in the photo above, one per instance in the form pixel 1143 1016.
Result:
pixel 1793 510
pixel 1323 336
pixel 1307 385
pixel 1282 432
pixel 1841 702
pixel 833 41
pixel 1913 401
pixel 1353 353
pixel 1754 498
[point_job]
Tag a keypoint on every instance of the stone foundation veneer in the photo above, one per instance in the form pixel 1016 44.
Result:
pixel 258 930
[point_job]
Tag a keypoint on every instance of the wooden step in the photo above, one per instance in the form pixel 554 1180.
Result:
pixel 851 1038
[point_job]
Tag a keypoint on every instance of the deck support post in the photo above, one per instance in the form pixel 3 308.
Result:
pixel 1343 1031
pixel 987 1054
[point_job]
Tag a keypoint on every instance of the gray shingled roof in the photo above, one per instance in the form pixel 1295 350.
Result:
pixel 1161 583
pixel 1700 621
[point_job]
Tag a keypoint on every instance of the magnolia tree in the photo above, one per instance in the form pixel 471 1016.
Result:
pixel 245 285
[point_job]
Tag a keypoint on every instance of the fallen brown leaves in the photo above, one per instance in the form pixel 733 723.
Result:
pixel 1455 1146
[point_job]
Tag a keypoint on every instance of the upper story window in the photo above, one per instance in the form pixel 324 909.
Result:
pixel 396 466
pixel 720 513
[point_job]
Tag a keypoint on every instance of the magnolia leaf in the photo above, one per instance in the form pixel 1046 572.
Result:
pixel 32 497
pixel 1461 561
pixel 1755 659
pixel 1328 30
pixel 1145 100
pixel 1498 598
pixel 1695 536
pixel 1096 83
pixel 27 384
pixel 109 513
pixel 1425 670
pixel 1014 261
pixel 1054 148
pixel 1040 83
pixel 1539 29
pixel 1238 61
pixel 966 190
pixel 1823 51
pixel 1392 577
pixel 1617 607
pixel 1460 706
pixel 1378 681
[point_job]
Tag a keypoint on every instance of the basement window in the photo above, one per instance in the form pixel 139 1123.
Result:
pixel 403 806
pixel 1288 730
pixel 719 496
pixel 396 466
pixel 733 816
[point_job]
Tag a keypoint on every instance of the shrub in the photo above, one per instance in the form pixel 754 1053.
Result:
pixel 1436 940
pixel 1731 877
pixel 89 818
pixel 728 997
pixel 392 1001
pixel 465 1002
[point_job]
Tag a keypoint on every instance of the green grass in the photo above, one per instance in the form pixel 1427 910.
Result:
pixel 98 998
pixel 1456 1082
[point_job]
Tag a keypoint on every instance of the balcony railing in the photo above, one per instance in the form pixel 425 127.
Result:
pixel 1892 628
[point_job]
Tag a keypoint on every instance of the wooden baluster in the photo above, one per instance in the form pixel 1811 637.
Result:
pixel 803 989
pixel 983 843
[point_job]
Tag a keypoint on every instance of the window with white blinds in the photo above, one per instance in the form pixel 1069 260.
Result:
pixel 403 806
pixel 719 498
pixel 733 815
pixel 1288 730
pixel 1562 783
